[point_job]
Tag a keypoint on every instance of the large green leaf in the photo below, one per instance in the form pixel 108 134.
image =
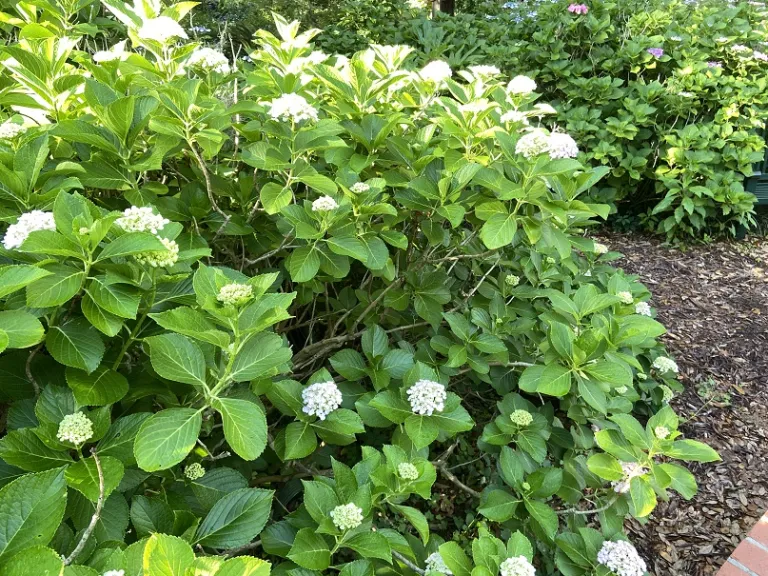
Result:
pixel 261 356
pixel 177 358
pixel 310 550
pixel 166 438
pixel 76 344
pixel 99 388
pixel 245 426
pixel 167 556
pixel 552 380
pixel 236 519
pixel 22 328
pixel 54 290
pixel 83 476
pixel 23 449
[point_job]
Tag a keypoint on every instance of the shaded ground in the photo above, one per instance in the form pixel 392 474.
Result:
pixel 714 301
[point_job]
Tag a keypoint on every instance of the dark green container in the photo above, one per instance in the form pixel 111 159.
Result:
pixel 758 182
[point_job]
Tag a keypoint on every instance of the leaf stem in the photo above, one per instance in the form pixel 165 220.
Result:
pixel 96 514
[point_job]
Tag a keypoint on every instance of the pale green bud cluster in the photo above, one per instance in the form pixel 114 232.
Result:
pixel 625 297
pixel 521 417
pixel 407 471
pixel 661 432
pixel 75 428
pixel 235 294
pixel 161 258
pixel 512 280
pixel 347 516
pixel 194 471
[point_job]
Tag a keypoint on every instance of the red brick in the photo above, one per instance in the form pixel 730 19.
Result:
pixel 729 569
pixel 760 530
pixel 752 557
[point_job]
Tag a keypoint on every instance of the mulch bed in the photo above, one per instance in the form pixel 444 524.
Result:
pixel 714 301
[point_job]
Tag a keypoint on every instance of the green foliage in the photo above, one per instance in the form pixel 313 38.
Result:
pixel 262 310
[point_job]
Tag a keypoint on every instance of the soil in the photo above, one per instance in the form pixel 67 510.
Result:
pixel 714 301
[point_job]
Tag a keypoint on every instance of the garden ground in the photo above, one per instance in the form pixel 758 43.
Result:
pixel 714 301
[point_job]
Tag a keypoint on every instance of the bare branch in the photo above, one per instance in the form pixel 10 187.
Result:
pixel 602 508
pixel 407 562
pixel 241 549
pixel 96 514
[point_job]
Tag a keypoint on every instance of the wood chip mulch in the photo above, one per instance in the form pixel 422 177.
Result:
pixel 713 299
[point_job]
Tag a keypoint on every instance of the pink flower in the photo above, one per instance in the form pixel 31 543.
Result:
pixel 578 9
pixel 656 52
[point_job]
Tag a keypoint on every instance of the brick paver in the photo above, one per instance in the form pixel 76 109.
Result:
pixel 751 556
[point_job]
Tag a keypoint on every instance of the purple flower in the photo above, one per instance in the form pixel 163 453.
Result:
pixel 578 9
pixel 715 64
pixel 656 52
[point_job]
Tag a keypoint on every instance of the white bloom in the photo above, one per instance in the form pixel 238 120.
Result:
pixel 194 471
pixel 161 29
pixel 292 107
pixel 512 280
pixel 621 558
pixel 141 219
pixel 75 428
pixel 625 297
pixel 435 563
pixel 210 60
pixel 407 471
pixel 517 566
pixel 115 53
pixel 321 399
pixel 600 248
pixel 664 364
pixel 26 224
pixel 347 516
pixel 630 470
pixel 544 109
pixel 666 394
pixel 521 417
pixel 643 308
pixel 297 65
pixel 514 116
pixel 9 130
pixel 360 187
pixel 416 4
pixel 562 146
pixel 532 144
pixel 234 294
pixel 661 432
pixel 622 389
pixel 740 48
pixel 521 85
pixel 436 71
pixel 161 258
pixel 114 573
pixel 676 38
pixel 324 204
pixel 757 55
pixel 475 107
pixel 427 397
pixel 484 70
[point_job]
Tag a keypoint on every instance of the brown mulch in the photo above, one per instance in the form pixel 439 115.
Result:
pixel 713 300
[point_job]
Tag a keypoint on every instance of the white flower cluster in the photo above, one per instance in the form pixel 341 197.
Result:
pixel 621 390
pixel 75 428
pixel 625 297
pixel 435 563
pixel 407 471
pixel 521 417
pixel 661 432
pixel 521 85
pixel 141 219
pixel 666 394
pixel 161 258
pixel 664 364
pixel 512 280
pixel 562 146
pixel 517 566
pixel 115 53
pixel 436 71
pixel 600 248
pixel 360 187
pixel 209 60
pixel 292 108
pixel 9 130
pixel 427 397
pixel 324 204
pixel 643 308
pixel 194 471
pixel 321 399
pixel 347 516
pixel 114 573
pixel 235 294
pixel 621 558
pixel 630 470
pixel 297 65
pixel 484 70
pixel 532 144
pixel 161 29
pixel 514 116
pixel 26 224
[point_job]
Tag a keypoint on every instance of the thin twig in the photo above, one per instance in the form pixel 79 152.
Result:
pixel 404 560
pixel 96 514
pixel 241 549
pixel 28 369
pixel 209 189
pixel 577 512
pixel 452 477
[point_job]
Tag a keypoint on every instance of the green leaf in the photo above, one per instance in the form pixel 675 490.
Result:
pixel 544 516
pixel 692 451
pixel 167 556
pixel 303 264
pixel 274 197
pixel 99 388
pixel 455 558
pixel 236 519
pixel 244 566
pixel 552 380
pixel 593 395
pixel 683 482
pixel 118 299
pixel 261 357
pixel 310 550
pixel 498 506
pixel 643 497
pixel 35 561
pixel 177 358
pixel 76 344
pixel 370 545
pixel 32 507
pixel 13 278
pixel 498 231
pixel 422 430
pixel 54 290
pixel 192 323
pixel 166 438
pixel 417 520
pixel 21 328
pixel 632 430
pixel 605 466
pixel 23 449
pixel 131 243
pixel 83 476
pixel 300 440
pixel 245 426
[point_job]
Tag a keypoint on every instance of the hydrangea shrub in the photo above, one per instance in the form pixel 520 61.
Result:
pixel 251 315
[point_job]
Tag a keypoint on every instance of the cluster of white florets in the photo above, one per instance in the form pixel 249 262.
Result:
pixel 114 573
pixel 292 108
pixel 194 471
pixel 512 280
pixel 484 70
pixel 427 397
pixel 360 187
pixel 630 470
pixel 324 204
pixel 666 394
pixel 161 29
pixel 600 248
pixel 643 308
pixel 562 146
pixel 532 144
pixel 514 116
pixel 435 563
pixel 235 294
pixel 161 258
pixel 75 428
pixel 25 225
pixel 664 364
pixel 407 471
pixel 661 432
pixel 517 566
pixel 436 71
pixel 521 417
pixel 321 399
pixel 141 219
pixel 209 60
pixel 9 130
pixel 347 516
pixel 521 85
pixel 621 558
pixel 625 297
